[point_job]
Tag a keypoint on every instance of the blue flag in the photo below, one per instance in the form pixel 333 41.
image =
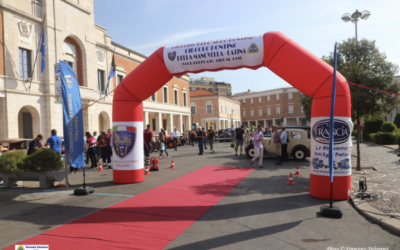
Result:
pixel 111 75
pixel 43 51
pixel 72 117
pixel 331 121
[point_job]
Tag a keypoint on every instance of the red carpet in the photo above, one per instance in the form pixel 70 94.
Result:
pixel 150 220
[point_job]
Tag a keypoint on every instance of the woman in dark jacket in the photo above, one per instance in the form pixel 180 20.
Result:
pixel 162 137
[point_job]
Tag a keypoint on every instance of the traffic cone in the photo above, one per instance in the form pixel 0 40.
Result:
pixel 157 167
pixel 100 167
pixel 297 171
pixel 290 182
pixel 152 164
pixel 146 170
pixel 172 164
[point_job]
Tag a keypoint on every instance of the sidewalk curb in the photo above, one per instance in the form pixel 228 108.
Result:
pixel 385 220
pixel 380 145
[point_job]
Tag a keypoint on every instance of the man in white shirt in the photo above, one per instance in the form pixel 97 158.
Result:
pixel 175 136
pixel 284 145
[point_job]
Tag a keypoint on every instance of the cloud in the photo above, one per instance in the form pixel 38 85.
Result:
pixel 178 38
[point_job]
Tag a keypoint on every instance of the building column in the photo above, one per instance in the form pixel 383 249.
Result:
pixel 273 122
pixel 170 122
pixel 158 121
pixel 297 121
pixel 145 118
pixel 284 122
pixel 188 126
pixel 180 121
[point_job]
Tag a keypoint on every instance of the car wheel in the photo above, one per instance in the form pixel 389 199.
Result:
pixel 251 152
pixel 171 144
pixel 299 154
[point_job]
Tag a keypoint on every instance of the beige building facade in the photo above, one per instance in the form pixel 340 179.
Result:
pixel 28 105
pixel 211 109
pixel 209 83
pixel 280 107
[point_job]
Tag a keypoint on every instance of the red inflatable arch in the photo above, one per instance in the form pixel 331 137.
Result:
pixel 284 57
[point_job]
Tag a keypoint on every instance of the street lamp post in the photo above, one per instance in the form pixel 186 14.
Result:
pixel 355 17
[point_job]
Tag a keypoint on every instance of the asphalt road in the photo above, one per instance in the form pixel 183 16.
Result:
pixel 262 212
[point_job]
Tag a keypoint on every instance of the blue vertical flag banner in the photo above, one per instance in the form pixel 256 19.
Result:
pixel 43 51
pixel 111 75
pixel 72 117
pixel 331 120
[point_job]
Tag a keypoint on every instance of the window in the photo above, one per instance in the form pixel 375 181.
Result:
pixel 100 75
pixel 295 135
pixel 268 98
pixel 259 111
pixel 176 97
pixel 290 108
pixel 153 97
pixel 165 91
pixel 268 110
pixel 278 110
pixel 259 99
pixel 25 63
pixel 119 78
pixel 244 113
pixel 184 99
pixel 153 122
pixel 252 112
pixel 244 100
pixel 251 101
pixel 209 109
pixel 222 108
pixel 290 95
pixel 193 110
pixel 302 109
pixel 226 111
pixel 277 97
pixel 193 89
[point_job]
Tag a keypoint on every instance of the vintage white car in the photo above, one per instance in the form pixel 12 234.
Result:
pixel 298 145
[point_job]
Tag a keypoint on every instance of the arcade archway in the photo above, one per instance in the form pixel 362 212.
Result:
pixel 273 50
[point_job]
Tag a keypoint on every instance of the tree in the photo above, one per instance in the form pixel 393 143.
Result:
pixel 306 101
pixel 361 62
pixel 397 120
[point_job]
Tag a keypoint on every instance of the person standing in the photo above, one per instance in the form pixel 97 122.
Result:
pixel 103 146
pixel 87 155
pixel 54 141
pixel 147 137
pixel 210 137
pixel 108 148
pixel 90 144
pixel 35 144
pixel 204 138
pixel 278 145
pixel 258 147
pixel 284 138
pixel 175 136
pixel 238 136
pixel 200 138
pixel 96 149
pixel 232 133
pixel 162 137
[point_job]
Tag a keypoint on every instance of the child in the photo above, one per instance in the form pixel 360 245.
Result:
pixel 162 150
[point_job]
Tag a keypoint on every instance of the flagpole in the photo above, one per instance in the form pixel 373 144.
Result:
pixel 332 211
pixel 37 52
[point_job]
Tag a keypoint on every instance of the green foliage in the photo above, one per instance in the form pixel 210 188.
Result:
pixel 397 120
pixel 12 161
pixel 362 63
pixel 306 101
pixel 388 127
pixel 44 159
pixel 371 127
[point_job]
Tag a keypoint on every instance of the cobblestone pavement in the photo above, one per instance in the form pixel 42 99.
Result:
pixel 385 182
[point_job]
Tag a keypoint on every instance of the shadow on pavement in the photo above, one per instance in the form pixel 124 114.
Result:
pixel 238 237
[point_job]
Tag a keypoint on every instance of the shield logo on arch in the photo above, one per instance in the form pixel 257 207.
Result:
pixel 124 138
pixel 253 48
pixel 172 55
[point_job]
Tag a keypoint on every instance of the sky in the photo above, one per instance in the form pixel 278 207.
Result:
pixel 146 25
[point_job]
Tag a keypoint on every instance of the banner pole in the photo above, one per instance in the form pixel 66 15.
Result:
pixel 66 172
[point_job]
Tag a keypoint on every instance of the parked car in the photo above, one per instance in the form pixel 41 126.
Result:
pixel 14 144
pixel 298 145
pixel 225 137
